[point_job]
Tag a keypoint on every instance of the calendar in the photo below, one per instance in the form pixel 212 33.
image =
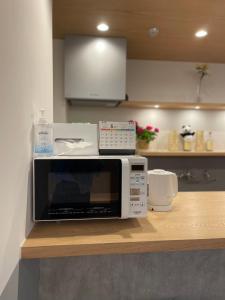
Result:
pixel 117 137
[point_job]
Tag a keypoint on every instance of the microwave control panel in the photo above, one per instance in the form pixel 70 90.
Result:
pixel 138 191
pixel 117 137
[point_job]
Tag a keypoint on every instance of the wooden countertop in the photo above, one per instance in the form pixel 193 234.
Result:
pixel 197 221
pixel 182 153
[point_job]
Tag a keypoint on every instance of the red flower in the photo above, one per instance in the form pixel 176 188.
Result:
pixel 156 129
pixel 149 127
pixel 140 130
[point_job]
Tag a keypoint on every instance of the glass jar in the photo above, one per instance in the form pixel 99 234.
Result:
pixel 173 141
pixel 199 141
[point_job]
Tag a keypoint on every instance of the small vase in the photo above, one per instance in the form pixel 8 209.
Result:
pixel 142 145
pixel 188 143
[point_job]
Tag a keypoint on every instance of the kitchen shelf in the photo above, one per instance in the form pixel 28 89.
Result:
pixel 181 153
pixel 196 222
pixel 173 105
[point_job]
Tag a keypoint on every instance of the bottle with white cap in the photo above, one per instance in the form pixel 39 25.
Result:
pixel 209 142
pixel 43 144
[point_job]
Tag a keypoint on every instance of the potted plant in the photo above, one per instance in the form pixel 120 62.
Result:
pixel 145 135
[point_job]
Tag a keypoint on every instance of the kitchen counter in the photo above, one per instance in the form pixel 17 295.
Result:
pixel 197 221
pixel 182 153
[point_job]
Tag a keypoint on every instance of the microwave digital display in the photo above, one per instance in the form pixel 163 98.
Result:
pixel 137 167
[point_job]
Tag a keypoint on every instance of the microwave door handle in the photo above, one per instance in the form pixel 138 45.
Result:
pixel 125 189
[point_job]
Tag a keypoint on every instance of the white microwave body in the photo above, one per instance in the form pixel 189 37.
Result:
pixel 89 187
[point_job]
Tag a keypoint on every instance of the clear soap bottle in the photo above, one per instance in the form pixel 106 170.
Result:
pixel 43 136
pixel 209 142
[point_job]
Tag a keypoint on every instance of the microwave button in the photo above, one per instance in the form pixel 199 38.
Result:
pixel 134 199
pixel 135 191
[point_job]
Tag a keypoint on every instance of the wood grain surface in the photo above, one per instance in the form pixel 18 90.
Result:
pixel 197 221
pixel 181 153
pixel 136 103
pixel 177 21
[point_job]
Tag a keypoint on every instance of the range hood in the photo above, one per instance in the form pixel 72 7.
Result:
pixel 95 70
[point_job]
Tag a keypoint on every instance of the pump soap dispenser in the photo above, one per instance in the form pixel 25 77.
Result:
pixel 43 144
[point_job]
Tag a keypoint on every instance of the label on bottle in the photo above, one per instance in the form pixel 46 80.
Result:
pixel 43 149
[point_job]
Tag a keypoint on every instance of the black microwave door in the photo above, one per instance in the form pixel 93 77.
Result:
pixel 77 188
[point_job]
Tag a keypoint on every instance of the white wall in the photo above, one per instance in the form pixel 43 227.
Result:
pixel 60 109
pixel 25 87
pixel 155 81
pixel 173 81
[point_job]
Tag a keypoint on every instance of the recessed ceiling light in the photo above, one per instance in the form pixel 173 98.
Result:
pixel 201 33
pixel 156 106
pixel 197 107
pixel 103 27
pixel 153 31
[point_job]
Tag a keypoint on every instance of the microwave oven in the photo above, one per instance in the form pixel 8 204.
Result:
pixel 89 187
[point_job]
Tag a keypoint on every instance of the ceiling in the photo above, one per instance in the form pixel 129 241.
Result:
pixel 177 20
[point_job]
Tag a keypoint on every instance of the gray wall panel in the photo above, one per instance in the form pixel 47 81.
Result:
pixel 29 279
pixel 11 290
pixel 158 276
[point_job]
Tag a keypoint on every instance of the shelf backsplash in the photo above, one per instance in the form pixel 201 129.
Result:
pixel 166 120
pixel 161 143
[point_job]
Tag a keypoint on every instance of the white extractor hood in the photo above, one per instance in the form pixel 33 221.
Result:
pixel 95 70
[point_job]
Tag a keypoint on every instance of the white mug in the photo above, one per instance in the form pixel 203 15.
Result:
pixel 163 187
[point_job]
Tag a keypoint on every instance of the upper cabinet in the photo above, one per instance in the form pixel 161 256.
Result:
pixel 95 68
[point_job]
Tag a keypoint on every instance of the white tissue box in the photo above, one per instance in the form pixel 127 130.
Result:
pixel 75 139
